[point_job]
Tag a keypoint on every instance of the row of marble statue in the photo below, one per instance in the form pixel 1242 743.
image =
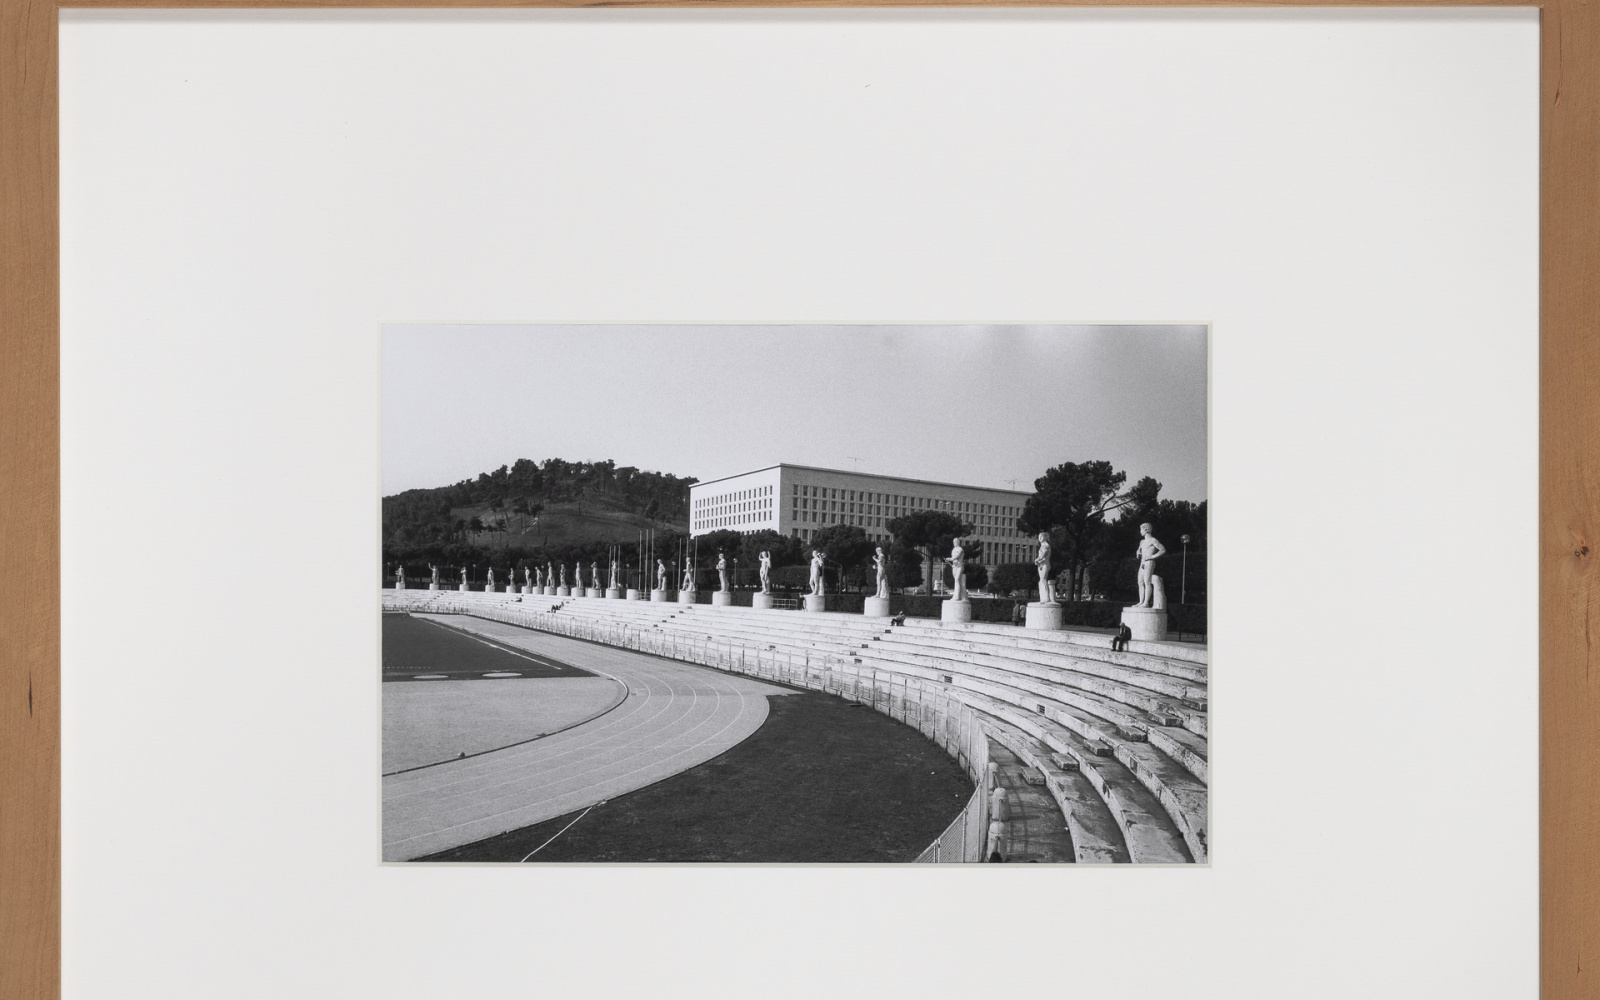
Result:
pixel 1151 593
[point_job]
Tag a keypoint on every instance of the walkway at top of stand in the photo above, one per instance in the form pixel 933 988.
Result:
pixel 675 716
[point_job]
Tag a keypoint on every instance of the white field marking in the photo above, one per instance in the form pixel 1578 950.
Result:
pixel 639 755
pixel 495 645
pixel 654 764
pixel 559 832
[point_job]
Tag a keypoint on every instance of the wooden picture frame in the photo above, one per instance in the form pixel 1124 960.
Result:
pixel 30 618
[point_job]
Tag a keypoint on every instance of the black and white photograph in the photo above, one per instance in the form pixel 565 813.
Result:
pixel 794 594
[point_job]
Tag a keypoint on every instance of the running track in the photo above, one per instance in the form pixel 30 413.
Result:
pixel 676 715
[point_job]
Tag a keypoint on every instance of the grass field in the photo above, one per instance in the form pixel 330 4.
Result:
pixel 821 781
pixel 413 647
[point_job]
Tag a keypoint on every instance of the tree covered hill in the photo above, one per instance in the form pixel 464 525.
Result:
pixel 551 510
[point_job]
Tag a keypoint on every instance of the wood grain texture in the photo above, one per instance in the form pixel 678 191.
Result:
pixel 30 500
pixel 1569 385
pixel 30 507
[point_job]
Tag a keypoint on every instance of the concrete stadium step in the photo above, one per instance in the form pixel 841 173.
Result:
pixel 1158 704
pixel 1152 836
pixel 1091 641
pixel 1096 837
pixel 1039 641
pixel 1179 682
pixel 1184 747
pixel 1035 831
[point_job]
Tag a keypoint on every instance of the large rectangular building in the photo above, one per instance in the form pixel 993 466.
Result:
pixel 797 500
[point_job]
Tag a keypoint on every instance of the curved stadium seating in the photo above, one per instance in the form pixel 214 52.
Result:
pixel 1103 753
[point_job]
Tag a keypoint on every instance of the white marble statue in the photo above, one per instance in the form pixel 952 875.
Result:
pixel 722 571
pixel 435 571
pixel 614 584
pixel 527 575
pixel 490 584
pixel 1149 551
pixel 538 579
pixel 688 577
pixel 400 574
pixel 1047 586
pixel 594 574
pixel 563 574
pixel 463 576
pixel 766 572
pixel 661 574
pixel 577 576
pixel 958 571
pixel 816 573
pixel 880 566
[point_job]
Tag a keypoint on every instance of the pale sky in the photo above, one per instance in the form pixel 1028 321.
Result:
pixel 961 404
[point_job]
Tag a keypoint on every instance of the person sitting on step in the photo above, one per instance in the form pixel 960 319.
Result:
pixel 1120 640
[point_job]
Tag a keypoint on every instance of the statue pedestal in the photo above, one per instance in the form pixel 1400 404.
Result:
pixel 399 585
pixel 722 598
pixel 1046 616
pixel 433 586
pixel 687 596
pixel 563 591
pixel 761 601
pixel 955 611
pixel 1146 624
pixel 632 595
pixel 613 593
pixel 462 588
pixel 815 602
pixel 659 596
pixel 594 592
pixel 875 607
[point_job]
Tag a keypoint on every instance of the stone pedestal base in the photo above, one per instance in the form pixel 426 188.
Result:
pixel 722 598
pixel 399 586
pixel 563 591
pixel 613 593
pixel 955 611
pixel 595 592
pixel 875 607
pixel 1045 616
pixel 659 596
pixel 815 602
pixel 761 601
pixel 462 588
pixel 1146 624
pixel 632 595
pixel 433 586
pixel 687 596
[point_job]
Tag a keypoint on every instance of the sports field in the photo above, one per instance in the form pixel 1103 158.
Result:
pixel 449 695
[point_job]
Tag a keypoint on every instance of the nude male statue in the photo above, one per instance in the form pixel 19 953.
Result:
pixel 538 579
pixel 1148 552
pixel 563 574
pixel 1047 586
pixel 490 585
pixel 463 576
pixel 527 575
pixel 766 569
pixel 688 577
pixel 400 575
pixel 549 575
pixel 614 575
pixel 722 571
pixel 958 569
pixel 594 574
pixel 435 571
pixel 661 574
pixel 816 574
pixel 881 565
